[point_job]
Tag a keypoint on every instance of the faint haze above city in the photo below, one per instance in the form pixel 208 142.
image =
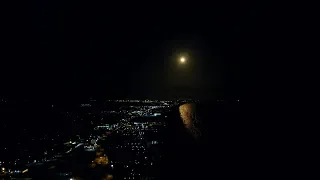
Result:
pixel 82 49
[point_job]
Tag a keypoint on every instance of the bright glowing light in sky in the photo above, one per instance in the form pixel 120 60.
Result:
pixel 182 59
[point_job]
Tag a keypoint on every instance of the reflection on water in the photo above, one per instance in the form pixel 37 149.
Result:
pixel 189 119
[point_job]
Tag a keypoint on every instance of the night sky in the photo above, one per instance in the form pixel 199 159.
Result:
pixel 59 49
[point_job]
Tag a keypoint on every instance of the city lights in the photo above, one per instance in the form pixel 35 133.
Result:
pixel 136 122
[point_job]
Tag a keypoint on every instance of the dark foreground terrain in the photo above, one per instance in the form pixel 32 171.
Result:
pixel 219 152
pixel 201 141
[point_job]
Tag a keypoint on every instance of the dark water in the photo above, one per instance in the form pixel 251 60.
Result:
pixel 219 150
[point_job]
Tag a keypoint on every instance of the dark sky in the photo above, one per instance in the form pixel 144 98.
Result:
pixel 59 49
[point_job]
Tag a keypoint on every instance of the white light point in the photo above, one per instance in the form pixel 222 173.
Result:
pixel 182 59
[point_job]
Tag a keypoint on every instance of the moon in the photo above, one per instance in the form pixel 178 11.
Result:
pixel 182 59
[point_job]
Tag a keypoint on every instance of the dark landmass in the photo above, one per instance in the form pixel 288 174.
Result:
pixel 218 152
pixel 222 148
